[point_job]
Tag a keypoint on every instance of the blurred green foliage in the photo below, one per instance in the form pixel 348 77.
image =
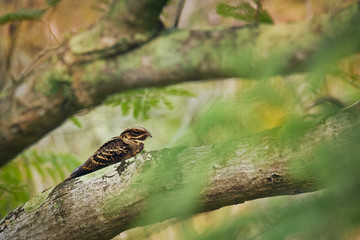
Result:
pixel 76 121
pixel 22 14
pixel 141 101
pixel 19 177
pixel 52 3
pixel 245 12
pixel 294 103
pixel 26 14
pixel 330 214
pixel 333 213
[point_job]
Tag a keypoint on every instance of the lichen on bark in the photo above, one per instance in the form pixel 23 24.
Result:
pixel 36 201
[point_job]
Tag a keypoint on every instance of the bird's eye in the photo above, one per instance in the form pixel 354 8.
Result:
pixel 136 132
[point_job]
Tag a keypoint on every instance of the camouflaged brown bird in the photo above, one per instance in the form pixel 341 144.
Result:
pixel 117 149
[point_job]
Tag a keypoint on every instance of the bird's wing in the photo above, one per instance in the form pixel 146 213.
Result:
pixel 110 152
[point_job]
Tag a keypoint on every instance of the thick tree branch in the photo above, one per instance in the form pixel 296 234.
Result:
pixel 102 204
pixel 120 31
pixel 76 78
pixel 43 97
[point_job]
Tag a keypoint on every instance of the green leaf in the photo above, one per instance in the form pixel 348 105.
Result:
pixel 145 111
pixel 22 14
pixel 36 155
pixel 179 92
pixel 76 121
pixel 154 102
pixel 244 12
pixel 39 169
pixel 141 101
pixel 57 164
pixel 125 107
pixel 168 104
pixel 264 17
pixel 137 108
pixel 17 177
pixel 52 3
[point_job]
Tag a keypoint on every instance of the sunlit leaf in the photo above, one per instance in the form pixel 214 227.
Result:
pixel 76 121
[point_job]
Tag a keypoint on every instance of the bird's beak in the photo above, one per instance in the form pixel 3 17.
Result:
pixel 149 134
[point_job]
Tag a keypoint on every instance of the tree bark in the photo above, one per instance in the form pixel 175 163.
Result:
pixel 45 94
pixel 103 204
pixel 81 74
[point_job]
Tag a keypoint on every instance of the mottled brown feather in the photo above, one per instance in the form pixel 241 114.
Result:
pixel 117 149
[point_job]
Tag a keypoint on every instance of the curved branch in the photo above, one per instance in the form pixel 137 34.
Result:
pixel 102 204
pixel 75 79
pixel 45 94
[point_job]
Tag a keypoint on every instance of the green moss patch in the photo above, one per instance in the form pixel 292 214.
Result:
pixel 36 201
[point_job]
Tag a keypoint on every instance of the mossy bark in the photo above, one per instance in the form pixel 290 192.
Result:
pixel 75 78
pixel 103 204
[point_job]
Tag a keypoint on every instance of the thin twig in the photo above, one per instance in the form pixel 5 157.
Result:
pixel 179 10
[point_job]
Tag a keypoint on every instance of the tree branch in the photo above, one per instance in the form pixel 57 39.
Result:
pixel 76 78
pixel 45 94
pixel 102 204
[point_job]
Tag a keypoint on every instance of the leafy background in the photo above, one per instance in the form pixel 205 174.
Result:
pixel 195 114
